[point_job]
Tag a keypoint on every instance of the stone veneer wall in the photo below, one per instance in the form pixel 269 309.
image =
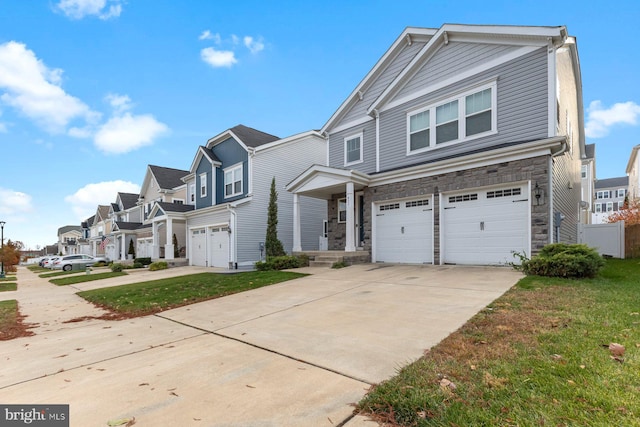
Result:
pixel 535 169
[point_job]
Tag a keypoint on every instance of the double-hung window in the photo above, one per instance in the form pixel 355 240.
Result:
pixel 353 149
pixel 342 210
pixel 203 185
pixel 233 181
pixel 472 114
pixel 621 192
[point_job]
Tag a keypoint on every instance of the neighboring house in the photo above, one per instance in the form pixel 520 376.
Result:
pixel 68 239
pixel 610 197
pixel 126 217
pixel 633 172
pixel 161 187
pixel 228 189
pixel 462 145
pixel 99 232
pixel 588 177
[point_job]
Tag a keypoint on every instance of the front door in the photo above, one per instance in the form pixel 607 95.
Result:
pixel 359 231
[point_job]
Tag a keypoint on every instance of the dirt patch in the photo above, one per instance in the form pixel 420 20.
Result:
pixel 17 328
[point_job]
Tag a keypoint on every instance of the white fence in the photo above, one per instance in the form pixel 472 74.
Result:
pixel 608 239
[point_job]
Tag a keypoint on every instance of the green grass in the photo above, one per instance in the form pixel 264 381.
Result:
pixel 37 269
pixel 536 356
pixel 8 279
pixel 59 273
pixel 8 287
pixel 158 295
pixel 86 278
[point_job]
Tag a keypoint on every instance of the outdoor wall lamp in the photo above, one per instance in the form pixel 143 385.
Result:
pixel 537 193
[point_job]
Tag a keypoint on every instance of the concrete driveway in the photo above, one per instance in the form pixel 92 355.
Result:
pixel 291 354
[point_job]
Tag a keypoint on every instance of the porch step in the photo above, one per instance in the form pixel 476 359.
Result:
pixel 327 264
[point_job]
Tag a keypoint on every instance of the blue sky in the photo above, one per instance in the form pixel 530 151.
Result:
pixel 92 91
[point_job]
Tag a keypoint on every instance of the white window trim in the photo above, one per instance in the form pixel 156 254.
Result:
pixel 232 169
pixel 192 193
pixel 462 123
pixel 609 206
pixel 348 138
pixel 203 185
pixel 345 210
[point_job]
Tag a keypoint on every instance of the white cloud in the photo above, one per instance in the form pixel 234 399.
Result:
pixel 14 202
pixel 119 103
pixel 125 133
pixel 254 46
pixel 235 39
pixel 78 9
pixel 85 201
pixel 600 120
pixel 218 58
pixel 206 35
pixel 34 90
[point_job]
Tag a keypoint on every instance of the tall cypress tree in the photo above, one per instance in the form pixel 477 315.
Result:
pixel 273 245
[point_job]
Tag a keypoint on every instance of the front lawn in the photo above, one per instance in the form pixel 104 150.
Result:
pixel 144 298
pixel 4 287
pixel 539 355
pixel 11 321
pixel 86 278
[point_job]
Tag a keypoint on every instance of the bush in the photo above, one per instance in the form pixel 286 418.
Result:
pixel 282 262
pixel 564 260
pixel 117 268
pixel 339 264
pixel 160 265
pixel 137 265
pixel 143 261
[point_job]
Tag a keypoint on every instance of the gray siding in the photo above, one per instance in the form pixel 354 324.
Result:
pixel 336 147
pixel 359 110
pixel 284 163
pixel 454 56
pixel 521 112
pixel 203 220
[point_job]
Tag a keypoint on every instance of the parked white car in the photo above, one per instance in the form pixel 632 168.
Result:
pixel 67 262
pixel 48 263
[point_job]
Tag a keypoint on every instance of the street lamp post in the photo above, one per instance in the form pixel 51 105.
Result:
pixel 2 223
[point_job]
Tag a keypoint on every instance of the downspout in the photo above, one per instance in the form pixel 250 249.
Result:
pixel 252 153
pixel 376 114
pixel 561 151
pixel 233 264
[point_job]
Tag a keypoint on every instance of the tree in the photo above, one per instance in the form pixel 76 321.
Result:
pixel 176 249
pixel 131 251
pixel 273 245
pixel 10 255
pixel 630 213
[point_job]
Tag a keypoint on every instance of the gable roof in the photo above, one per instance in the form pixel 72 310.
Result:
pixel 88 222
pixel 175 207
pixel 122 225
pixel 102 213
pixel 244 135
pixel 168 178
pixel 203 152
pixel 617 182
pixel 115 207
pixel 590 151
pixel 434 39
pixel 129 200
pixel 68 228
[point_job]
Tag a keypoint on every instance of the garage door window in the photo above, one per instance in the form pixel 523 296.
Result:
pixel 503 193
pixel 416 203
pixel 463 198
pixel 389 207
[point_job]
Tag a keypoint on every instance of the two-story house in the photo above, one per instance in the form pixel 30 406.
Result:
pixel 126 216
pixel 462 145
pixel 633 172
pixel 228 188
pixel 99 232
pixel 163 193
pixel 610 196
pixel 69 239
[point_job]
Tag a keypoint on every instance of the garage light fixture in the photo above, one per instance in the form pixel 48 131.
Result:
pixel 537 192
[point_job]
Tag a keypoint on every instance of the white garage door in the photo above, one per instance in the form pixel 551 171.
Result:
pixel 485 226
pixel 198 251
pixel 219 247
pixel 143 248
pixel 404 231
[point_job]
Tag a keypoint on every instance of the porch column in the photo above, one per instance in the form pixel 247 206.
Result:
pixel 155 248
pixel 351 220
pixel 168 248
pixel 123 254
pixel 297 242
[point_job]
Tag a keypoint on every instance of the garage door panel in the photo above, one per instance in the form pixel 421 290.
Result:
pixel 485 226
pixel 198 252
pixel 404 232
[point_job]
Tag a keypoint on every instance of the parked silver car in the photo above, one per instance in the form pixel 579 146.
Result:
pixel 67 262
pixel 48 263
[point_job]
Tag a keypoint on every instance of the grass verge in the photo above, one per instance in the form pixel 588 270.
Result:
pixel 144 298
pixel 8 279
pixel 4 287
pixel 59 273
pixel 539 355
pixel 11 321
pixel 85 278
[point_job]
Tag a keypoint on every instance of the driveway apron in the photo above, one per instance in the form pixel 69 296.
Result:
pixel 295 353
